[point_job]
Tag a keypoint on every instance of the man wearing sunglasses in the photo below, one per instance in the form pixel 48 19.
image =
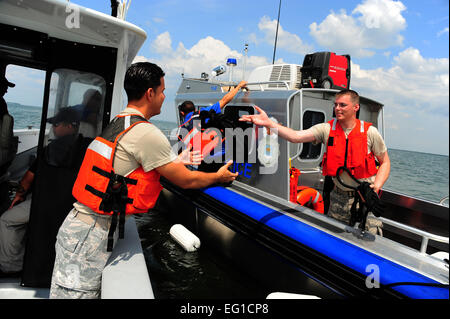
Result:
pixel 349 142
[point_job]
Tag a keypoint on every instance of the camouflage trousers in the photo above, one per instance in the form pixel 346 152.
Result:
pixel 340 205
pixel 81 256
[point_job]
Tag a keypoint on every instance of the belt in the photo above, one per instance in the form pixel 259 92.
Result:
pixel 340 191
pixel 100 222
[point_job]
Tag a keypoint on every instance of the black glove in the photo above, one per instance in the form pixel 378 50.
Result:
pixel 370 199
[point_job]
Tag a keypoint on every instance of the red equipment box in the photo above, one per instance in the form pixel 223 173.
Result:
pixel 326 70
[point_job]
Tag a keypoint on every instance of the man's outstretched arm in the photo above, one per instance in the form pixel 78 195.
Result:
pixel 287 133
pixel 230 95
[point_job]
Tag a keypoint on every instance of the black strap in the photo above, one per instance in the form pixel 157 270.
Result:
pixel 328 186
pixel 112 229
pixel 356 215
pixel 118 191
pixel 121 225
pixel 102 195
pixel 115 199
pixel 111 175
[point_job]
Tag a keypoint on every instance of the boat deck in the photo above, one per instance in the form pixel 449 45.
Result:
pixel 125 275
pixel 10 289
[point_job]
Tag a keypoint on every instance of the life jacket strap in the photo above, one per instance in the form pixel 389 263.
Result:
pixel 112 229
pixel 111 175
pixel 111 232
pixel 102 195
pixel 116 194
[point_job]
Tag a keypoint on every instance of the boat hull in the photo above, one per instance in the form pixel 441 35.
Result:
pixel 299 258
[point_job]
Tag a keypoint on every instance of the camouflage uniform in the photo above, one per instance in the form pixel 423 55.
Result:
pixel 81 256
pixel 340 205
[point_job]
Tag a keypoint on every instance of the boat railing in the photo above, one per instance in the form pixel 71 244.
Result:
pixel 285 85
pixel 252 86
pixel 426 236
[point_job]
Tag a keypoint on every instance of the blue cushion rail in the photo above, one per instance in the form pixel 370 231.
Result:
pixel 343 252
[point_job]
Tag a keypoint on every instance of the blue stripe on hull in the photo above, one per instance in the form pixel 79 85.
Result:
pixel 345 253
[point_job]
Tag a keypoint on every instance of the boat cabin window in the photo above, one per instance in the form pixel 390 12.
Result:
pixel 24 104
pixel 24 100
pixel 311 118
pixel 82 93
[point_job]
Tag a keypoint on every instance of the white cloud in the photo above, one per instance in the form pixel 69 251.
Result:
pixel 382 14
pixel 445 30
pixel 374 24
pixel 158 20
pixel 203 56
pixel 285 40
pixel 162 43
pixel 413 82
pixel 415 92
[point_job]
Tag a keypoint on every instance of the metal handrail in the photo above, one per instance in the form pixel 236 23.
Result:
pixel 426 236
pixel 286 84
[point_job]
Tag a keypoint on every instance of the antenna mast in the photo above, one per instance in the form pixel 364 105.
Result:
pixel 114 5
pixel 245 61
pixel 276 34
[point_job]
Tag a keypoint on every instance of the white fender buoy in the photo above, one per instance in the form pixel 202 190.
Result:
pixel 286 295
pixel 441 255
pixel 184 237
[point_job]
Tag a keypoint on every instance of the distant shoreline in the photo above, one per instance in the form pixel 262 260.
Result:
pixel 398 149
pixel 19 104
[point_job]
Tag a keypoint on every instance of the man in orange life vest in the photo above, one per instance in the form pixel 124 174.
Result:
pixel 349 142
pixel 119 175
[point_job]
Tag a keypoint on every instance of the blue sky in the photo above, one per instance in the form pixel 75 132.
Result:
pixel 399 50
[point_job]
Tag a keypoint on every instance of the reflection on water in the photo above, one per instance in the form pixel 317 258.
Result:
pixel 177 274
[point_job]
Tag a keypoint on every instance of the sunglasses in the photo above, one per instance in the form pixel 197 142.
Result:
pixel 341 105
pixel 62 123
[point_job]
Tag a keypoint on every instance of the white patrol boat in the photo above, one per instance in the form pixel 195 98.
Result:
pixel 291 247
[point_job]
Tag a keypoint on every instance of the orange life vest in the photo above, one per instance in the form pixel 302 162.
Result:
pixel 310 197
pixel 97 182
pixel 350 152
